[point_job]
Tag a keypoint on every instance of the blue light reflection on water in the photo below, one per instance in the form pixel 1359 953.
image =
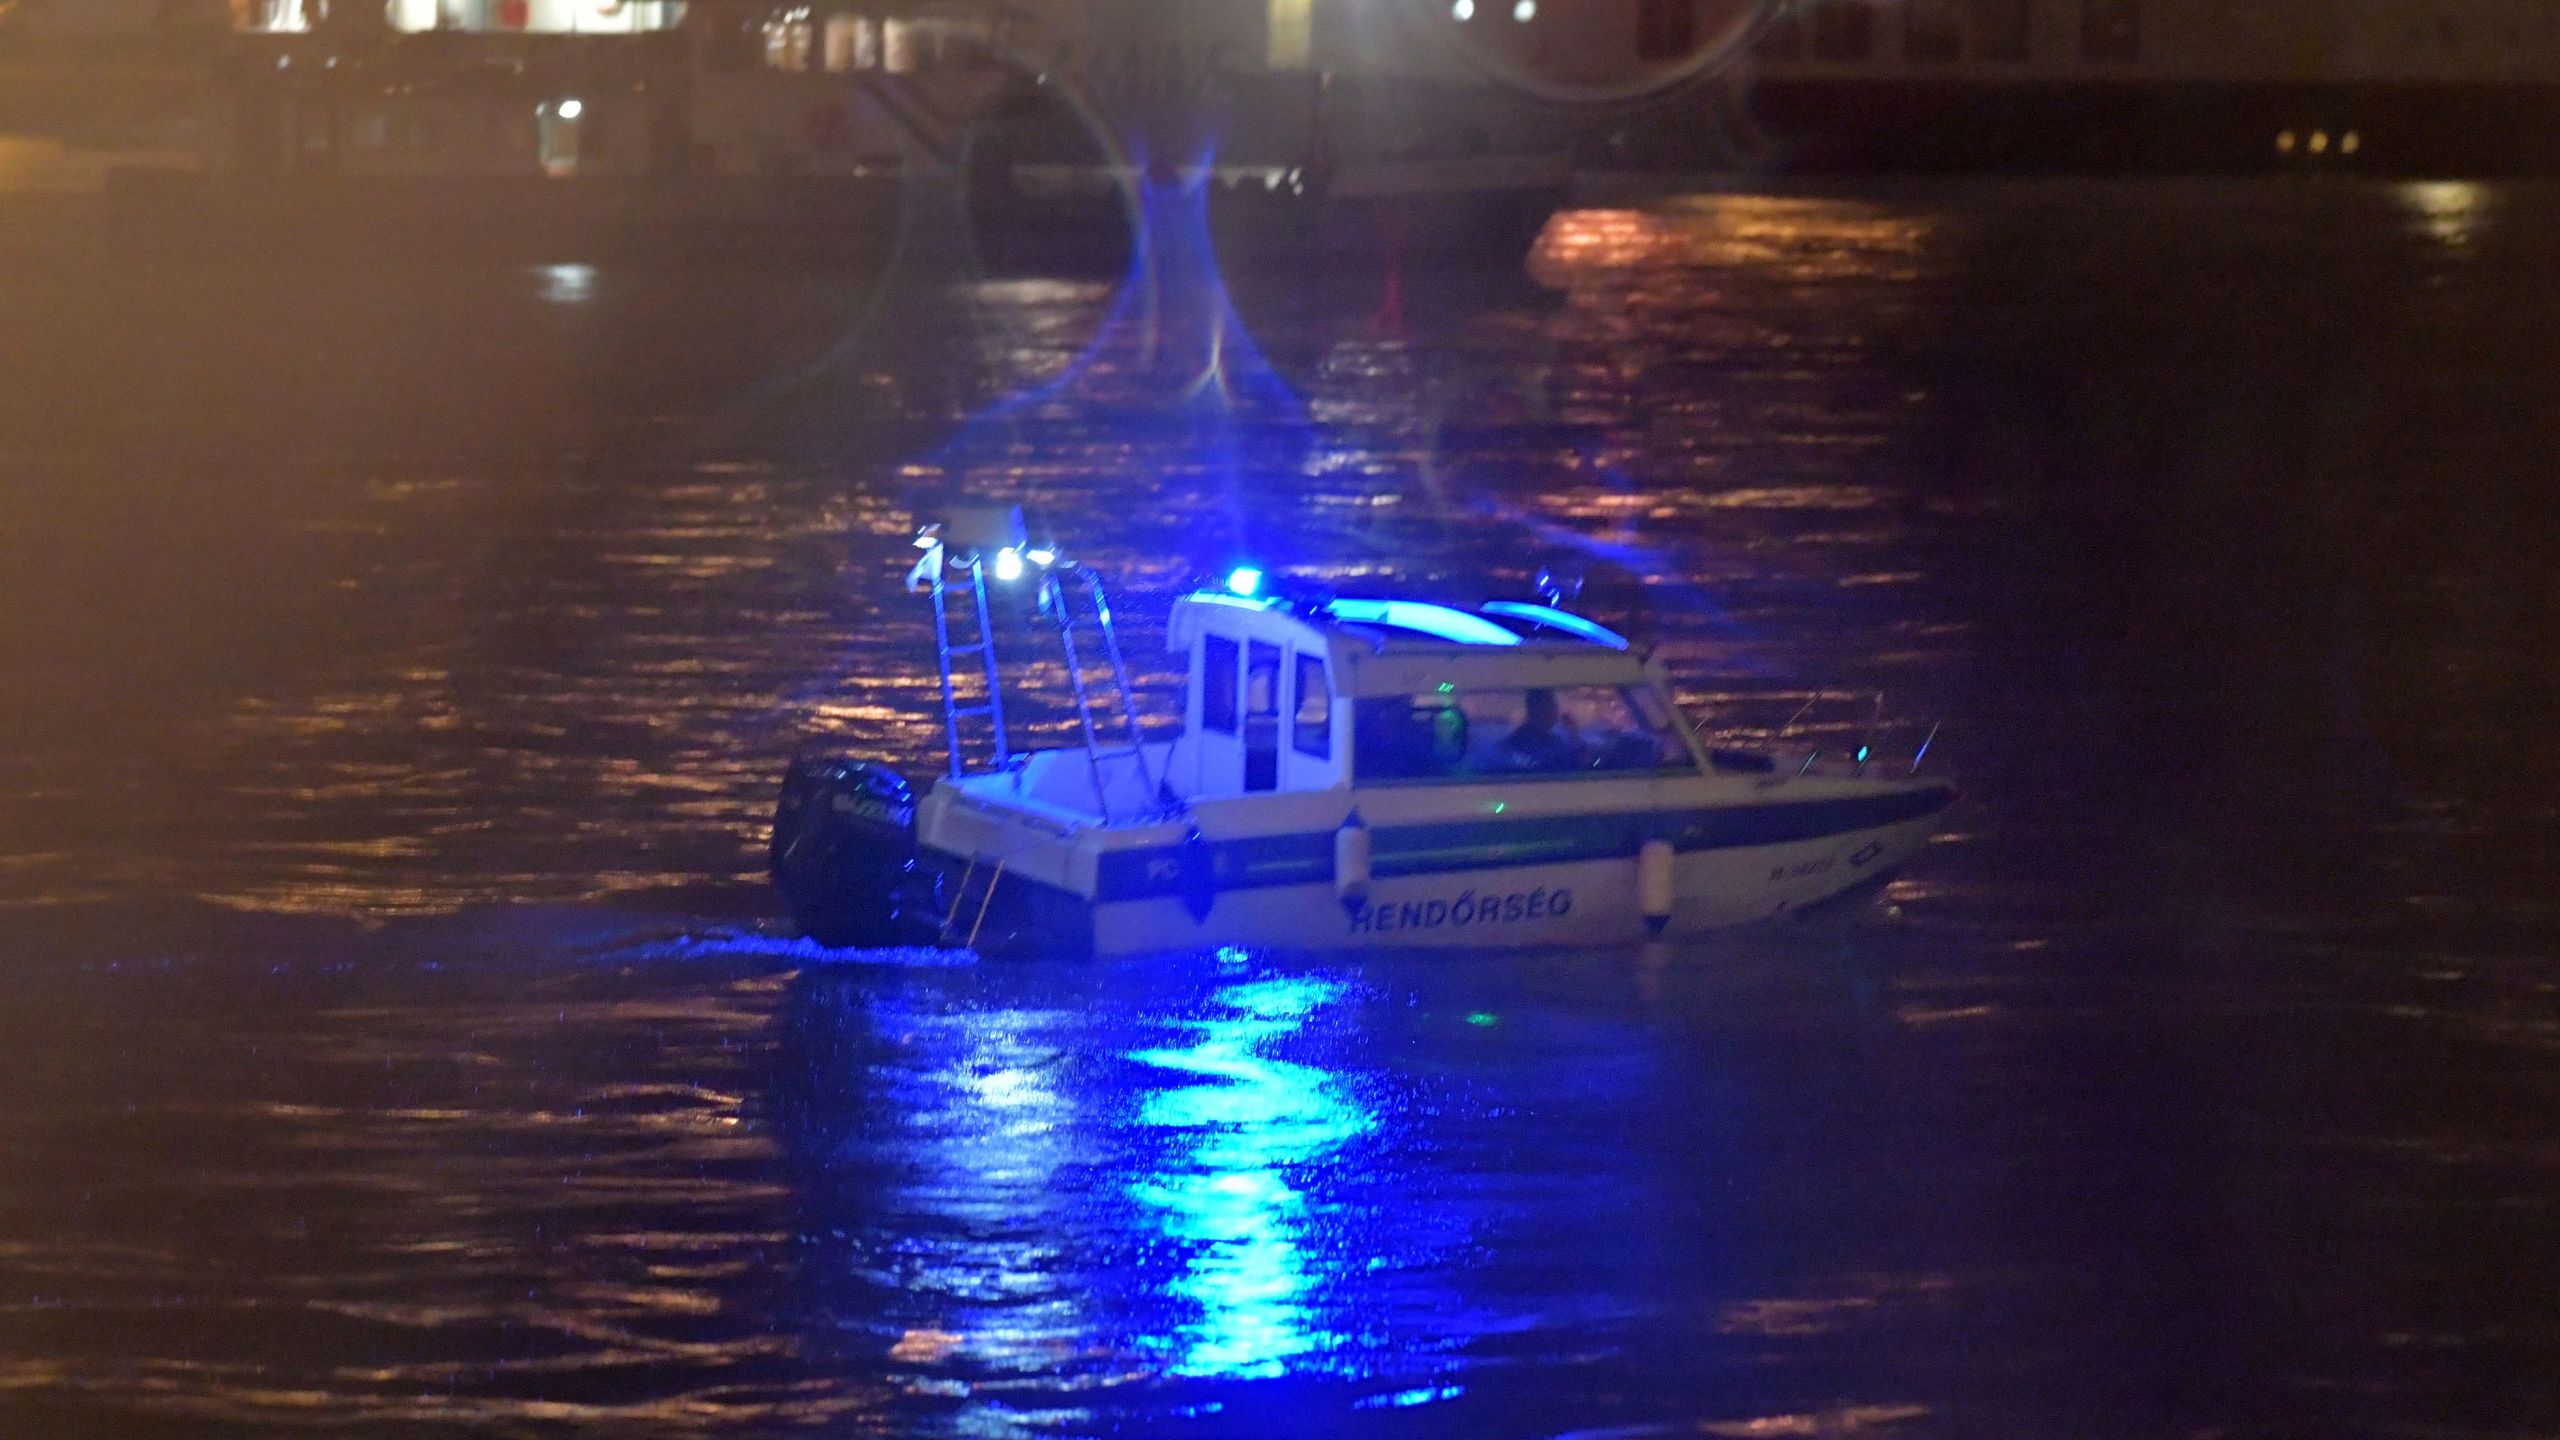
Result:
pixel 1020 1197
pixel 1243 1191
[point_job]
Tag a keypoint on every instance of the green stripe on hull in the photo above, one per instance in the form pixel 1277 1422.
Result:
pixel 1493 844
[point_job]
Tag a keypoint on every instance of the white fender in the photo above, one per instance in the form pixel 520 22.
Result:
pixel 1655 892
pixel 1351 863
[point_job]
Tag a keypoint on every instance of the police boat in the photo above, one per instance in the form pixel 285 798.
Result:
pixel 1348 773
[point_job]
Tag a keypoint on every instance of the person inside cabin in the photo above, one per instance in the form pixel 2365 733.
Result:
pixel 1409 737
pixel 1448 739
pixel 1394 738
pixel 1542 741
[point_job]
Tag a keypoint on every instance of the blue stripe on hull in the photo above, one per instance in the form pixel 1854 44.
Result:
pixel 1486 844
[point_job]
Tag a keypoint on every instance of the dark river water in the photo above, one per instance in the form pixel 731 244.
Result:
pixel 395 661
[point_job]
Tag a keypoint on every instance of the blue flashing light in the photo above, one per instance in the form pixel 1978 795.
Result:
pixel 1555 619
pixel 1043 557
pixel 1008 564
pixel 1438 621
pixel 1862 754
pixel 1244 581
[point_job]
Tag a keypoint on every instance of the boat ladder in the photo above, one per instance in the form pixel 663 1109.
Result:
pixel 970 890
pixel 1073 596
pixel 972 577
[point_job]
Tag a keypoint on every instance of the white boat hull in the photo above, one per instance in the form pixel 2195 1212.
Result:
pixel 1590 902
pixel 1430 905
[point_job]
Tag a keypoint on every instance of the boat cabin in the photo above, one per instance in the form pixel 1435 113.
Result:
pixel 1324 695
pixel 1287 694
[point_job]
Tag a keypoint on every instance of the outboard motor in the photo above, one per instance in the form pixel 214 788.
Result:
pixel 844 855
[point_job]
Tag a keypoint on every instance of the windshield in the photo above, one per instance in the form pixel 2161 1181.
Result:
pixel 1565 730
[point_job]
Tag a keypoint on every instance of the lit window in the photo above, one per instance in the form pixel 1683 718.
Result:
pixel 280 16
pixel 1262 682
pixel 852 43
pixel 902 46
pixel 1311 721
pixel 788 40
pixel 1292 31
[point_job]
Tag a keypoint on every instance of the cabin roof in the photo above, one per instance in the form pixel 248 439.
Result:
pixel 1382 646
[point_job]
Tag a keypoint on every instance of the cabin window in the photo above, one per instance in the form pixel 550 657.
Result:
pixel 1262 683
pixel 1218 685
pixel 1311 723
pixel 1485 734
pixel 1261 716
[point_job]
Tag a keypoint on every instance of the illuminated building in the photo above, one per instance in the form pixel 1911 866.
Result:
pixel 797 123
pixel 2159 41
pixel 527 17
pixel 2409 86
